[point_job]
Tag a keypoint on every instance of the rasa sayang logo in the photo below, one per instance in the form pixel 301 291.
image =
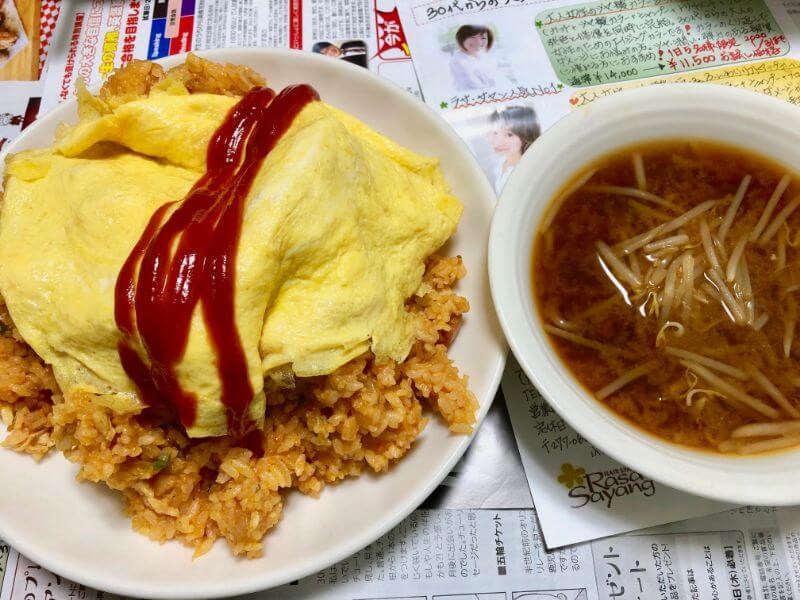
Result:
pixel 603 486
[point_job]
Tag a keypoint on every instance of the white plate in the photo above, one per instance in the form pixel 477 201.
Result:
pixel 762 124
pixel 79 531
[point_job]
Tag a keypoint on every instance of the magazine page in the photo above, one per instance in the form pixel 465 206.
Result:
pixel 483 65
pixel 94 38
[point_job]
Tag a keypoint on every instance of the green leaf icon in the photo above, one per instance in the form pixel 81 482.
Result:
pixel 443 104
pixel 571 476
pixel 538 23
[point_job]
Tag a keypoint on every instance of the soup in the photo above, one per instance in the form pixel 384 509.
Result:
pixel 667 276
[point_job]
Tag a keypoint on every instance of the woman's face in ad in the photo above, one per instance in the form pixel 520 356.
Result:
pixel 504 141
pixel 332 51
pixel 476 43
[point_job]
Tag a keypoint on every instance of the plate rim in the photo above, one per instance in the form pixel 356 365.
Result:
pixel 93 579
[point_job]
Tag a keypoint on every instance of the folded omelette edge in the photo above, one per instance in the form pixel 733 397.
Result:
pixel 337 226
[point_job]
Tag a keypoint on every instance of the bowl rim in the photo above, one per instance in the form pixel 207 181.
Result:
pixel 266 580
pixel 636 448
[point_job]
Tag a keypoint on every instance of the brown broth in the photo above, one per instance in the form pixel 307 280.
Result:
pixel 569 280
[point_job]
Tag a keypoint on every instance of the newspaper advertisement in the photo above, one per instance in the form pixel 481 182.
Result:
pixel 751 553
pixel 94 37
pixel 746 553
pixel 502 72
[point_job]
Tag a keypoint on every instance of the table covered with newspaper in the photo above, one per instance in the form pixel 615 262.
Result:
pixel 532 510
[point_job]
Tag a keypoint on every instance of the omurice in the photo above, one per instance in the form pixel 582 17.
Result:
pixel 214 292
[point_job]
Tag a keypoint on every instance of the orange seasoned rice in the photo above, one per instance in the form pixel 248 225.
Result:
pixel 365 415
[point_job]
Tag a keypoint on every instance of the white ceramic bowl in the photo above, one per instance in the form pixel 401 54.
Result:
pixel 750 120
pixel 79 531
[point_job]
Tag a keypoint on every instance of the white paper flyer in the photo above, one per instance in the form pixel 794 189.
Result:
pixel 94 38
pixel 580 493
pixel 748 553
pixel 501 73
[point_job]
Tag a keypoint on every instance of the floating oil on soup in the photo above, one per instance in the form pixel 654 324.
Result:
pixel 668 278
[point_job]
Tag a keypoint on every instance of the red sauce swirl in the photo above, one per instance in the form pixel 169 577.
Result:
pixel 187 255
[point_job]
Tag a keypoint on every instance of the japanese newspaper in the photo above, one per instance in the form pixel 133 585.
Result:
pixel 479 536
pixel 96 37
pixel 90 38
pixel 438 554
pixel 535 61
pixel 540 59
pixel 746 553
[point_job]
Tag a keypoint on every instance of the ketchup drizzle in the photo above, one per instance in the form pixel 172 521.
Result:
pixel 189 256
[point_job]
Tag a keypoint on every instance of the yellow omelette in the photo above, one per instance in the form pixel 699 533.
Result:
pixel 337 226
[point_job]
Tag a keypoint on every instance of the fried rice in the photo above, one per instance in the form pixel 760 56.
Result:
pixel 365 415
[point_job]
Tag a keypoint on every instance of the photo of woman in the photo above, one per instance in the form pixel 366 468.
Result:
pixel 327 49
pixel 512 130
pixel 469 66
pixel 352 51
